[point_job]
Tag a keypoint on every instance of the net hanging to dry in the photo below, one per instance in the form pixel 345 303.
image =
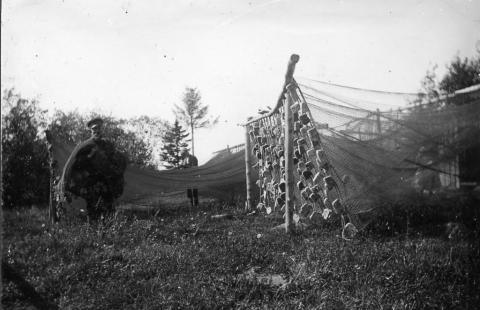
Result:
pixel 349 158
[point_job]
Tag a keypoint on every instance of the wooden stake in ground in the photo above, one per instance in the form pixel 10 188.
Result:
pixel 248 172
pixel 289 192
pixel 52 210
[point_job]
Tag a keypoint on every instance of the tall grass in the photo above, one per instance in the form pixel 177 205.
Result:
pixel 183 259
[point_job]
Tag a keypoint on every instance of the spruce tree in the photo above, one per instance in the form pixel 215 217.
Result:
pixel 193 112
pixel 174 141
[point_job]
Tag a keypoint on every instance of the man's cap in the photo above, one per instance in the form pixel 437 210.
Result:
pixel 95 122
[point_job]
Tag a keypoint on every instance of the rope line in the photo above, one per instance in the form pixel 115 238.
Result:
pixel 365 89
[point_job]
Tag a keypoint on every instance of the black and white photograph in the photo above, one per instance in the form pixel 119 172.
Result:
pixel 242 154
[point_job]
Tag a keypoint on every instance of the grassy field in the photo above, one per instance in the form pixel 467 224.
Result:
pixel 182 259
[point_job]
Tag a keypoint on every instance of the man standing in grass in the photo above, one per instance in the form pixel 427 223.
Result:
pixel 94 171
pixel 188 162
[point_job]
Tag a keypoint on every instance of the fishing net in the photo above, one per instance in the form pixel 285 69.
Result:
pixel 351 158
pixel 426 144
pixel 222 177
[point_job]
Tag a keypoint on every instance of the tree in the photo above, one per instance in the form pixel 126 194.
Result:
pixel 149 129
pixel 174 141
pixel 25 156
pixel 193 112
pixel 127 142
pixel 429 87
pixel 71 128
pixel 461 74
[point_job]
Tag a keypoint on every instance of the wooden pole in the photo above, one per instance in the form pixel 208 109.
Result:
pixel 52 210
pixel 289 190
pixel 193 144
pixel 289 182
pixel 379 125
pixel 248 172
pixel 1 214
pixel 280 102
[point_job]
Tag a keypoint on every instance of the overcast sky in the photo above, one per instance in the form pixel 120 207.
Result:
pixel 131 58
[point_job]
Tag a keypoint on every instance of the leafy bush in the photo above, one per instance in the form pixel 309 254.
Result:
pixel 24 152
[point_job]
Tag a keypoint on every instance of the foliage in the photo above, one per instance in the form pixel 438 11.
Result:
pixel 71 128
pixel 430 91
pixel 193 112
pixel 461 74
pixel 150 130
pixel 186 260
pixel 25 156
pixel 174 141
pixel 127 142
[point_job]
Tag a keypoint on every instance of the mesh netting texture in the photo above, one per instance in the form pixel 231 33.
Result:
pixel 219 177
pixel 350 160
pixel 349 157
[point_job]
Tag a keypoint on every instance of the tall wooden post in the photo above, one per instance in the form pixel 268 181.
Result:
pixel 1 214
pixel 52 210
pixel 289 192
pixel 289 86
pixel 193 142
pixel 379 124
pixel 248 173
